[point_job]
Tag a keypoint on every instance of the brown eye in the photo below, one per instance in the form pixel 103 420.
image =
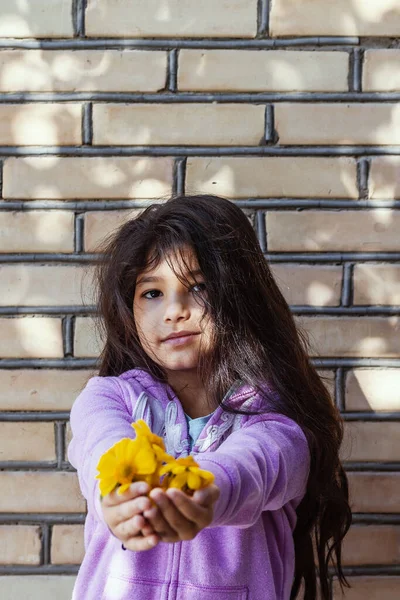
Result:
pixel 151 294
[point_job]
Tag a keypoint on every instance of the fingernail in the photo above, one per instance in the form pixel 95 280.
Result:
pixel 172 493
pixel 141 489
pixel 152 542
pixel 156 494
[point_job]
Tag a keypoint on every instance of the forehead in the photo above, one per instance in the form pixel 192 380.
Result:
pixel 183 261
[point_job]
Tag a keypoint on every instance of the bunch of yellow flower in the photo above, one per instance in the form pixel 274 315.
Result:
pixel 145 459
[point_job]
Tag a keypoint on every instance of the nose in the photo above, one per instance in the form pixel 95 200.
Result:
pixel 177 309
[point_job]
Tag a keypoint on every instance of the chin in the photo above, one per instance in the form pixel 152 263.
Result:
pixel 184 366
pixel 181 363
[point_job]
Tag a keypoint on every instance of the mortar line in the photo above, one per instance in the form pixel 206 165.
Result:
pixel 339 389
pixel 79 233
pixel 269 128
pixel 60 442
pixel 263 11
pixel 261 230
pixel 87 124
pixel 347 285
pixel 363 170
pixel 68 335
pixel 172 71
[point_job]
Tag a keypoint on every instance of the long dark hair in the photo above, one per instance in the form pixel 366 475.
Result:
pixel 255 340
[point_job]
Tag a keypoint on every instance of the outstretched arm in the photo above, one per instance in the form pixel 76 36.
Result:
pixel 260 467
pixel 99 419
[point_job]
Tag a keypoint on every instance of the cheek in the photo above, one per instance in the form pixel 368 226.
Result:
pixel 139 319
pixel 145 325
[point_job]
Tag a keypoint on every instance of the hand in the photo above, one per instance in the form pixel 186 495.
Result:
pixel 123 515
pixel 178 517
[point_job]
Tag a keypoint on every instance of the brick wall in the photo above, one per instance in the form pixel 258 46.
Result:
pixel 289 107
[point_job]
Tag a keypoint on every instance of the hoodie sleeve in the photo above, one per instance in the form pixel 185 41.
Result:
pixel 262 466
pixel 99 418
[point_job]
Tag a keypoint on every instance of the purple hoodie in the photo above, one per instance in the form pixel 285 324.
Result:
pixel 260 463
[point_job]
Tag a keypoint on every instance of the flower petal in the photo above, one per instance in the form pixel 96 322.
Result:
pixel 179 481
pixel 206 475
pixel 106 486
pixel 177 469
pixel 193 481
pixel 123 488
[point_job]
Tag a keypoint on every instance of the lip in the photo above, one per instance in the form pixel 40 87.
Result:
pixel 180 337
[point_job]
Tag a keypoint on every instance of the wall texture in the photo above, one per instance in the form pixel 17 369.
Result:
pixel 289 107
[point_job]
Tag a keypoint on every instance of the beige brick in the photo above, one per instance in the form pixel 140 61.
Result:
pixel 343 231
pixel 99 225
pixel 373 389
pixel 271 70
pixel 175 124
pixel 27 441
pixel 373 588
pixel 19 545
pixel 353 336
pixel 68 434
pixel 381 71
pixel 87 342
pixel 36 18
pixel 238 177
pixel 335 17
pixel 41 389
pixel 36 285
pixel 37 231
pixel 79 178
pixel 377 284
pixel 82 71
pixel 150 18
pixel 67 545
pixel 316 286
pixel 328 123
pixel 372 545
pixel 375 492
pixel 31 337
pixel 40 124
pixel 40 492
pixel 36 587
pixel 371 442
pixel 385 177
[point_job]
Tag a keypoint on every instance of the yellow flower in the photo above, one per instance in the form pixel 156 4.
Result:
pixel 184 473
pixel 143 430
pixel 127 461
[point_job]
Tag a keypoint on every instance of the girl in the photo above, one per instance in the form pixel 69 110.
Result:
pixel 200 343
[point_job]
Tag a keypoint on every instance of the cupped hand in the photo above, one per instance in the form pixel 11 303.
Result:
pixel 178 517
pixel 123 514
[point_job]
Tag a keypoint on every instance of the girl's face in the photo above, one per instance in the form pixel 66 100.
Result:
pixel 168 315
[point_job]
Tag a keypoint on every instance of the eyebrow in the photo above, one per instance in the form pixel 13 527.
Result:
pixel 152 279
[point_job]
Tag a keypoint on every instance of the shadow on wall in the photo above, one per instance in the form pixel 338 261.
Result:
pixel 336 17
pixel 146 178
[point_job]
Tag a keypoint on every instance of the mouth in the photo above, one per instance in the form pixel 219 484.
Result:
pixel 180 338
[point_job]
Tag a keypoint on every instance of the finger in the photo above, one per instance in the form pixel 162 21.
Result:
pixel 186 529
pixel 207 496
pixel 138 544
pixel 139 488
pixel 130 528
pixel 191 510
pixel 147 529
pixel 160 525
pixel 129 509
pixel 115 515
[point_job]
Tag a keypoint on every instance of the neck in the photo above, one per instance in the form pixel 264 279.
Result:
pixel 190 392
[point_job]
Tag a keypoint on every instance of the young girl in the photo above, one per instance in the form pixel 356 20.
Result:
pixel 200 343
